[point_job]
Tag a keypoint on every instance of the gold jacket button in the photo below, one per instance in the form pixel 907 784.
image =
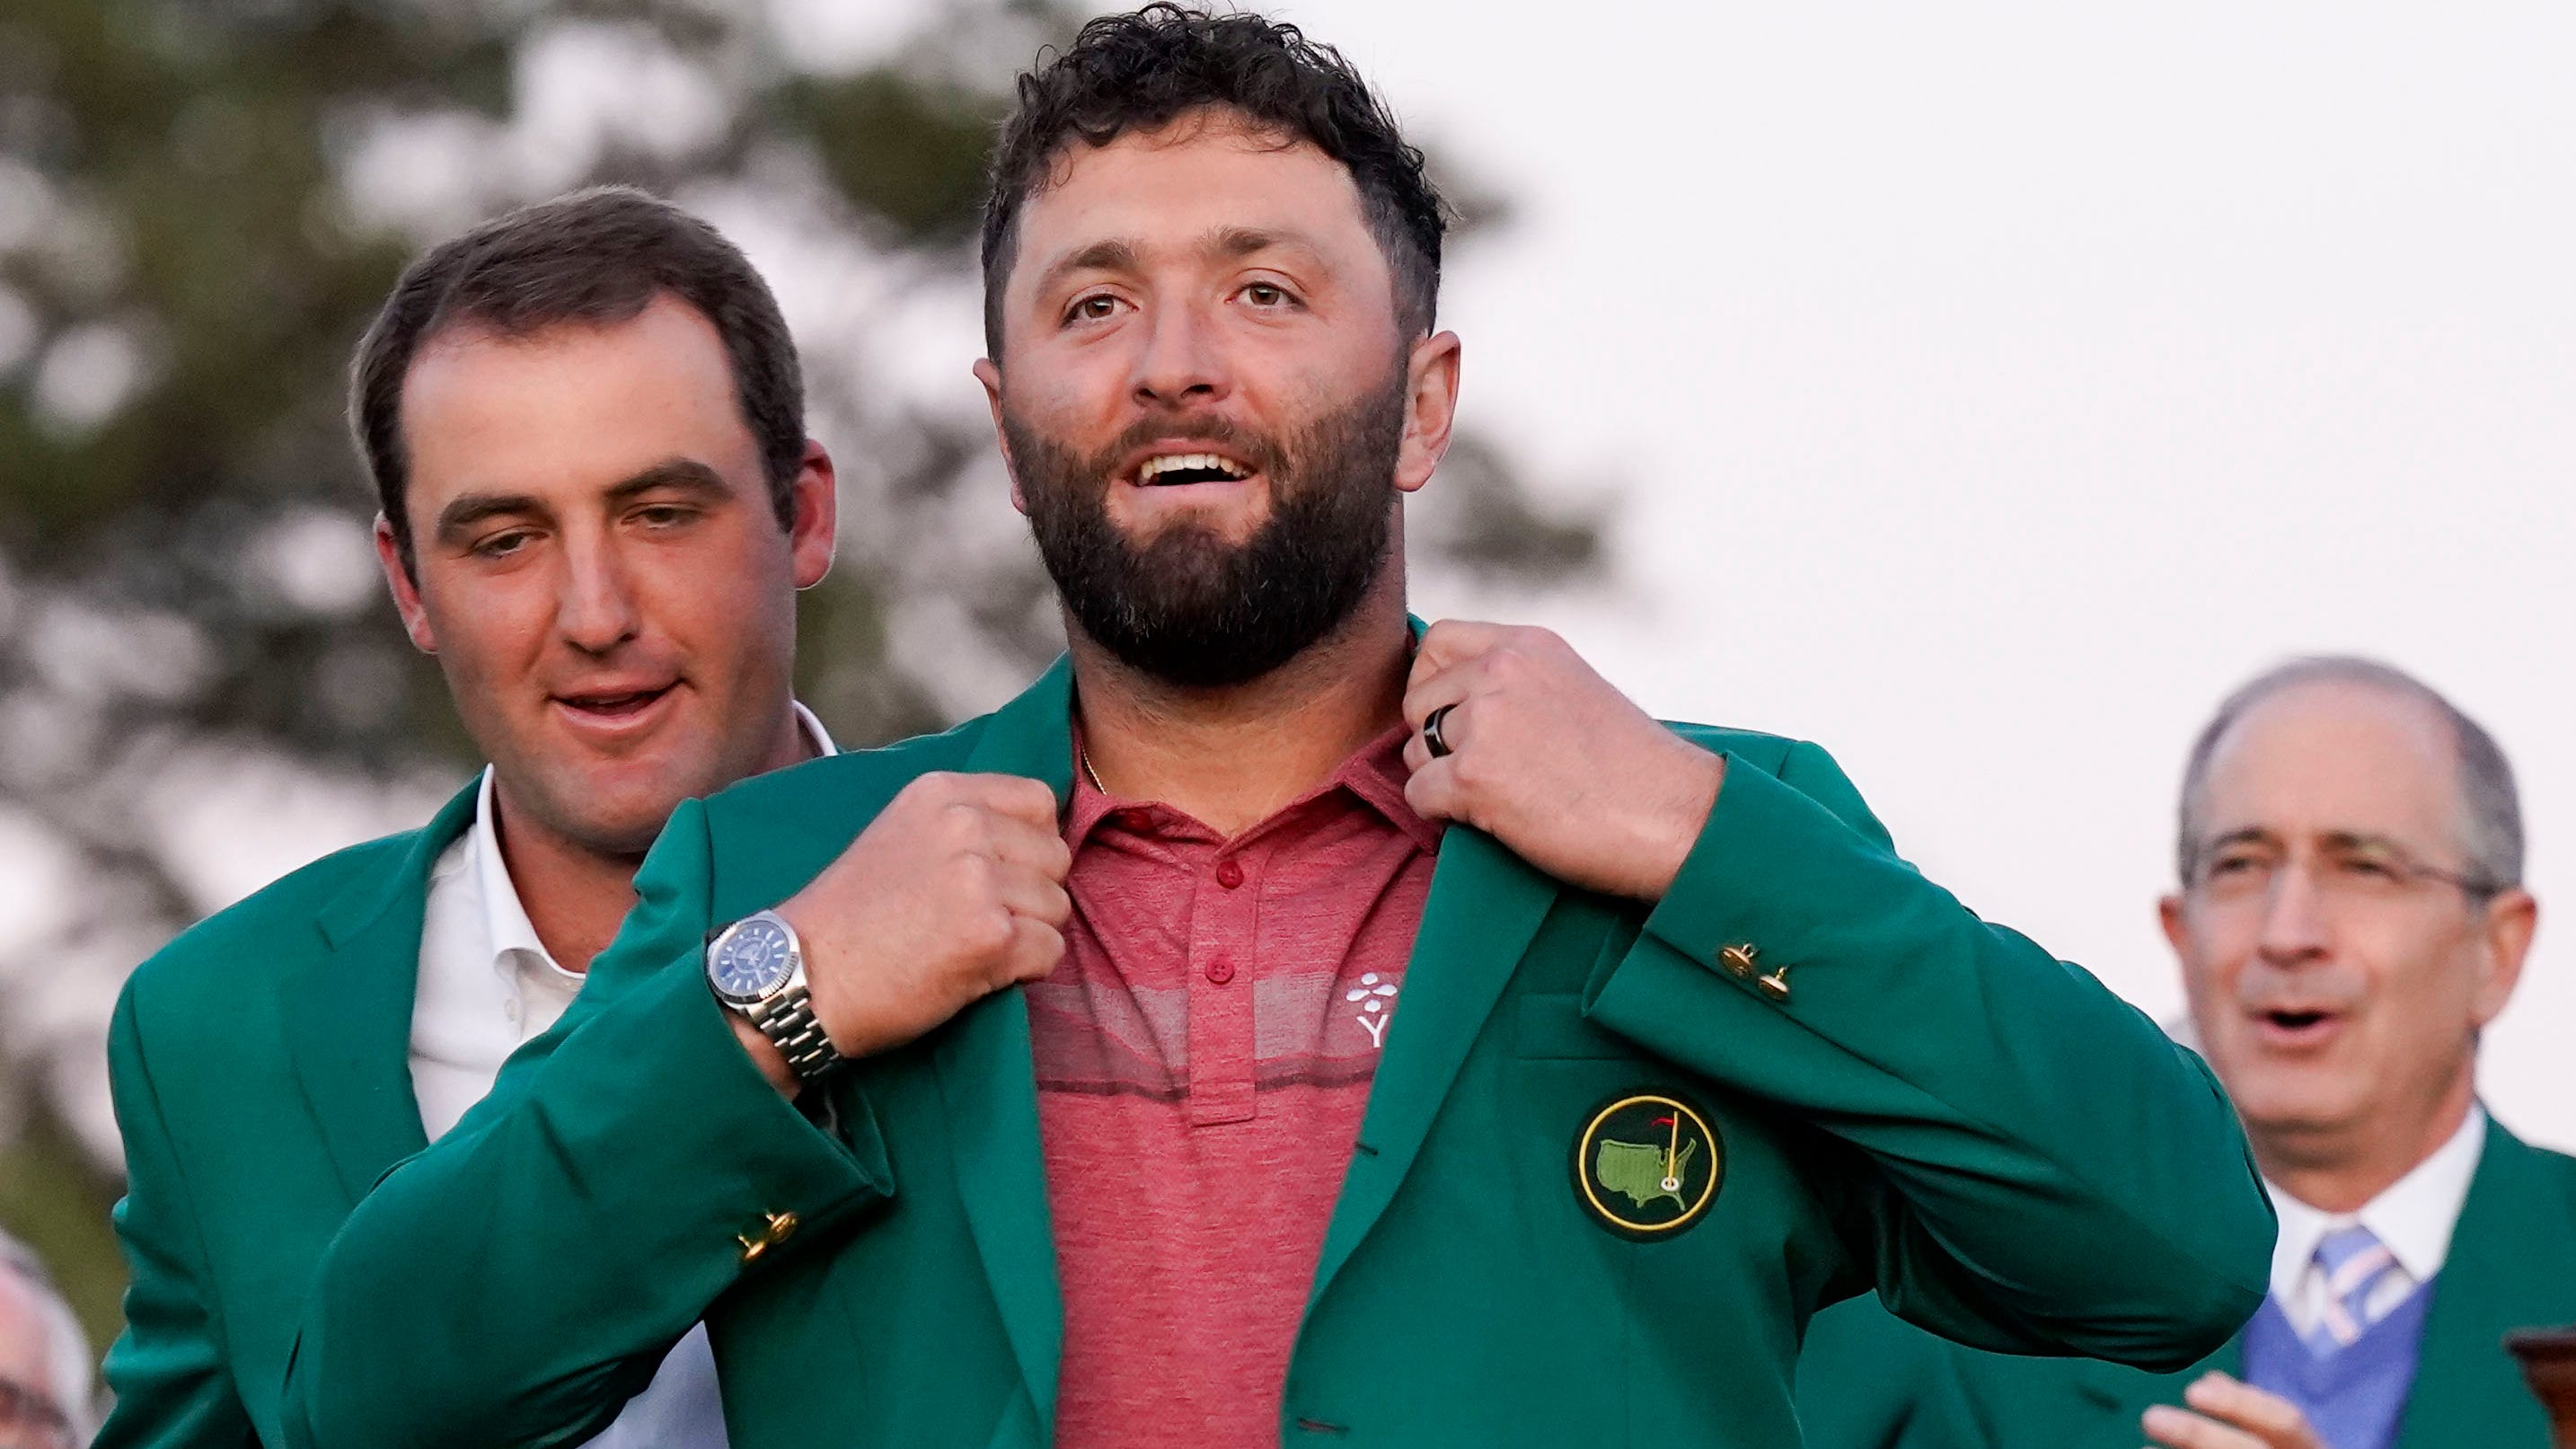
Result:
pixel 1738 960
pixel 779 1228
pixel 1775 986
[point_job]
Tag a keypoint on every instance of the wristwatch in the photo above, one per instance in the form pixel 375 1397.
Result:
pixel 757 968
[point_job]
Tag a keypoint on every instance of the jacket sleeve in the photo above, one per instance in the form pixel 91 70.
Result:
pixel 174 1388
pixel 2039 1168
pixel 518 1281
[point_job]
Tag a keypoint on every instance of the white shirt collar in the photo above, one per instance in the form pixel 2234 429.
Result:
pixel 2414 1216
pixel 504 916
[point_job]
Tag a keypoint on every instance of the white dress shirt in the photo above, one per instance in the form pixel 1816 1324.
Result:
pixel 486 988
pixel 2414 1218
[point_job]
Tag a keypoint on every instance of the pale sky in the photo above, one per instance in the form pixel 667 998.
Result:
pixel 1992 387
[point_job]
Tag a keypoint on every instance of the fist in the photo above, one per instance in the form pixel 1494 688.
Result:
pixel 954 891
pixel 1549 759
pixel 2227 1414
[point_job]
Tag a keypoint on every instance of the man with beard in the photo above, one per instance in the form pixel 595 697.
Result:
pixel 2349 919
pixel 1281 1023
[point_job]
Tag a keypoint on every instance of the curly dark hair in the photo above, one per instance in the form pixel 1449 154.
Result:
pixel 1140 71
pixel 595 256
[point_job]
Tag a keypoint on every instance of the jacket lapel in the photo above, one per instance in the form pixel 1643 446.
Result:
pixel 2512 1265
pixel 989 1083
pixel 1485 906
pixel 347 1013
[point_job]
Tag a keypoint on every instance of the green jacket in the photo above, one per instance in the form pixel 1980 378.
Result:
pixel 1871 1382
pixel 1936 1108
pixel 261 1070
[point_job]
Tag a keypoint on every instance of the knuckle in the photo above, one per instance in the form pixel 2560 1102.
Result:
pixel 988 932
pixel 1471 773
pixel 971 875
pixel 962 826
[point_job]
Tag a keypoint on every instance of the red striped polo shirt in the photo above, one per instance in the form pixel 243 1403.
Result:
pixel 1204 1053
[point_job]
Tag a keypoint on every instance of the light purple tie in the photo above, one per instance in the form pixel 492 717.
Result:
pixel 2355 1263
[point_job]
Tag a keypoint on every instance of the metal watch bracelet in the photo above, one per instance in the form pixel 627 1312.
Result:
pixel 787 1019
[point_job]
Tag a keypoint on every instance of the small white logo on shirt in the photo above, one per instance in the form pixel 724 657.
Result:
pixel 1375 997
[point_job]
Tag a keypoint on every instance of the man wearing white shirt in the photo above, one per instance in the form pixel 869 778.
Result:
pixel 584 421
pixel 2350 917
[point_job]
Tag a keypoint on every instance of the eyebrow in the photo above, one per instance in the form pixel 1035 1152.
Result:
pixel 1114 254
pixel 1225 243
pixel 2330 839
pixel 686 475
pixel 1234 243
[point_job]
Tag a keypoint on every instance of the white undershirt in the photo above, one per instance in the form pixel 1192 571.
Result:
pixel 486 988
pixel 2414 1217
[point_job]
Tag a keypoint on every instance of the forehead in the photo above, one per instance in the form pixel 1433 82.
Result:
pixel 1194 176
pixel 2335 755
pixel 577 403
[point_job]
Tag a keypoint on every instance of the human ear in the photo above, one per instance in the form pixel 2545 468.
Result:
pixel 406 589
pixel 2511 919
pixel 1430 408
pixel 989 373
pixel 815 526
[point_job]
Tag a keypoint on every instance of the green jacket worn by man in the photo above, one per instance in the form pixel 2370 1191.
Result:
pixel 1870 1382
pixel 548 407
pixel 1896 1096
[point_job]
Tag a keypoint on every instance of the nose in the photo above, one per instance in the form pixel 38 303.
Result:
pixel 1183 360
pixel 2294 919
pixel 595 608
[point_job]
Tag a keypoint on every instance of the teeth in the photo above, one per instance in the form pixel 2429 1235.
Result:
pixel 1177 462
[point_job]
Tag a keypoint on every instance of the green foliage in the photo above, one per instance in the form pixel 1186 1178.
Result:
pixel 56 1202
pixel 908 151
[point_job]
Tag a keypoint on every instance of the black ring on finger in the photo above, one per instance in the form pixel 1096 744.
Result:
pixel 1431 738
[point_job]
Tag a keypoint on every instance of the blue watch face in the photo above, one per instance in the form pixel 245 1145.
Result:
pixel 751 960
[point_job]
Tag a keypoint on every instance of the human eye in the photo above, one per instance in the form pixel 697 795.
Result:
pixel 2372 870
pixel 2237 869
pixel 664 515
pixel 502 545
pixel 1092 307
pixel 1267 295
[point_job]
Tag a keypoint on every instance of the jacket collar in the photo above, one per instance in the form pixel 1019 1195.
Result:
pixel 347 1012
pixel 2512 1265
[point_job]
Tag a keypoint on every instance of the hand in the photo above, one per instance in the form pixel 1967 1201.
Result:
pixel 954 891
pixel 2230 1415
pixel 1552 761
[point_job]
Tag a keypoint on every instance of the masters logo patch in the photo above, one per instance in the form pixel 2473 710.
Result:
pixel 1646 1165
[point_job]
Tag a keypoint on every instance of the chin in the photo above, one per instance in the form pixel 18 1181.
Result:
pixel 2300 1109
pixel 608 820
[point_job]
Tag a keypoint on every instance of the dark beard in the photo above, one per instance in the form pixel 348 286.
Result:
pixel 1188 608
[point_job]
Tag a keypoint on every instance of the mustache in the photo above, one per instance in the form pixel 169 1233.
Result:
pixel 1257 449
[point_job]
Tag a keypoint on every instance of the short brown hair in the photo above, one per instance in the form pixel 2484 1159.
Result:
pixel 595 256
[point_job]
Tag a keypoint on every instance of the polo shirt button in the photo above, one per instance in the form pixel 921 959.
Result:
pixel 1229 873
pixel 1221 970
